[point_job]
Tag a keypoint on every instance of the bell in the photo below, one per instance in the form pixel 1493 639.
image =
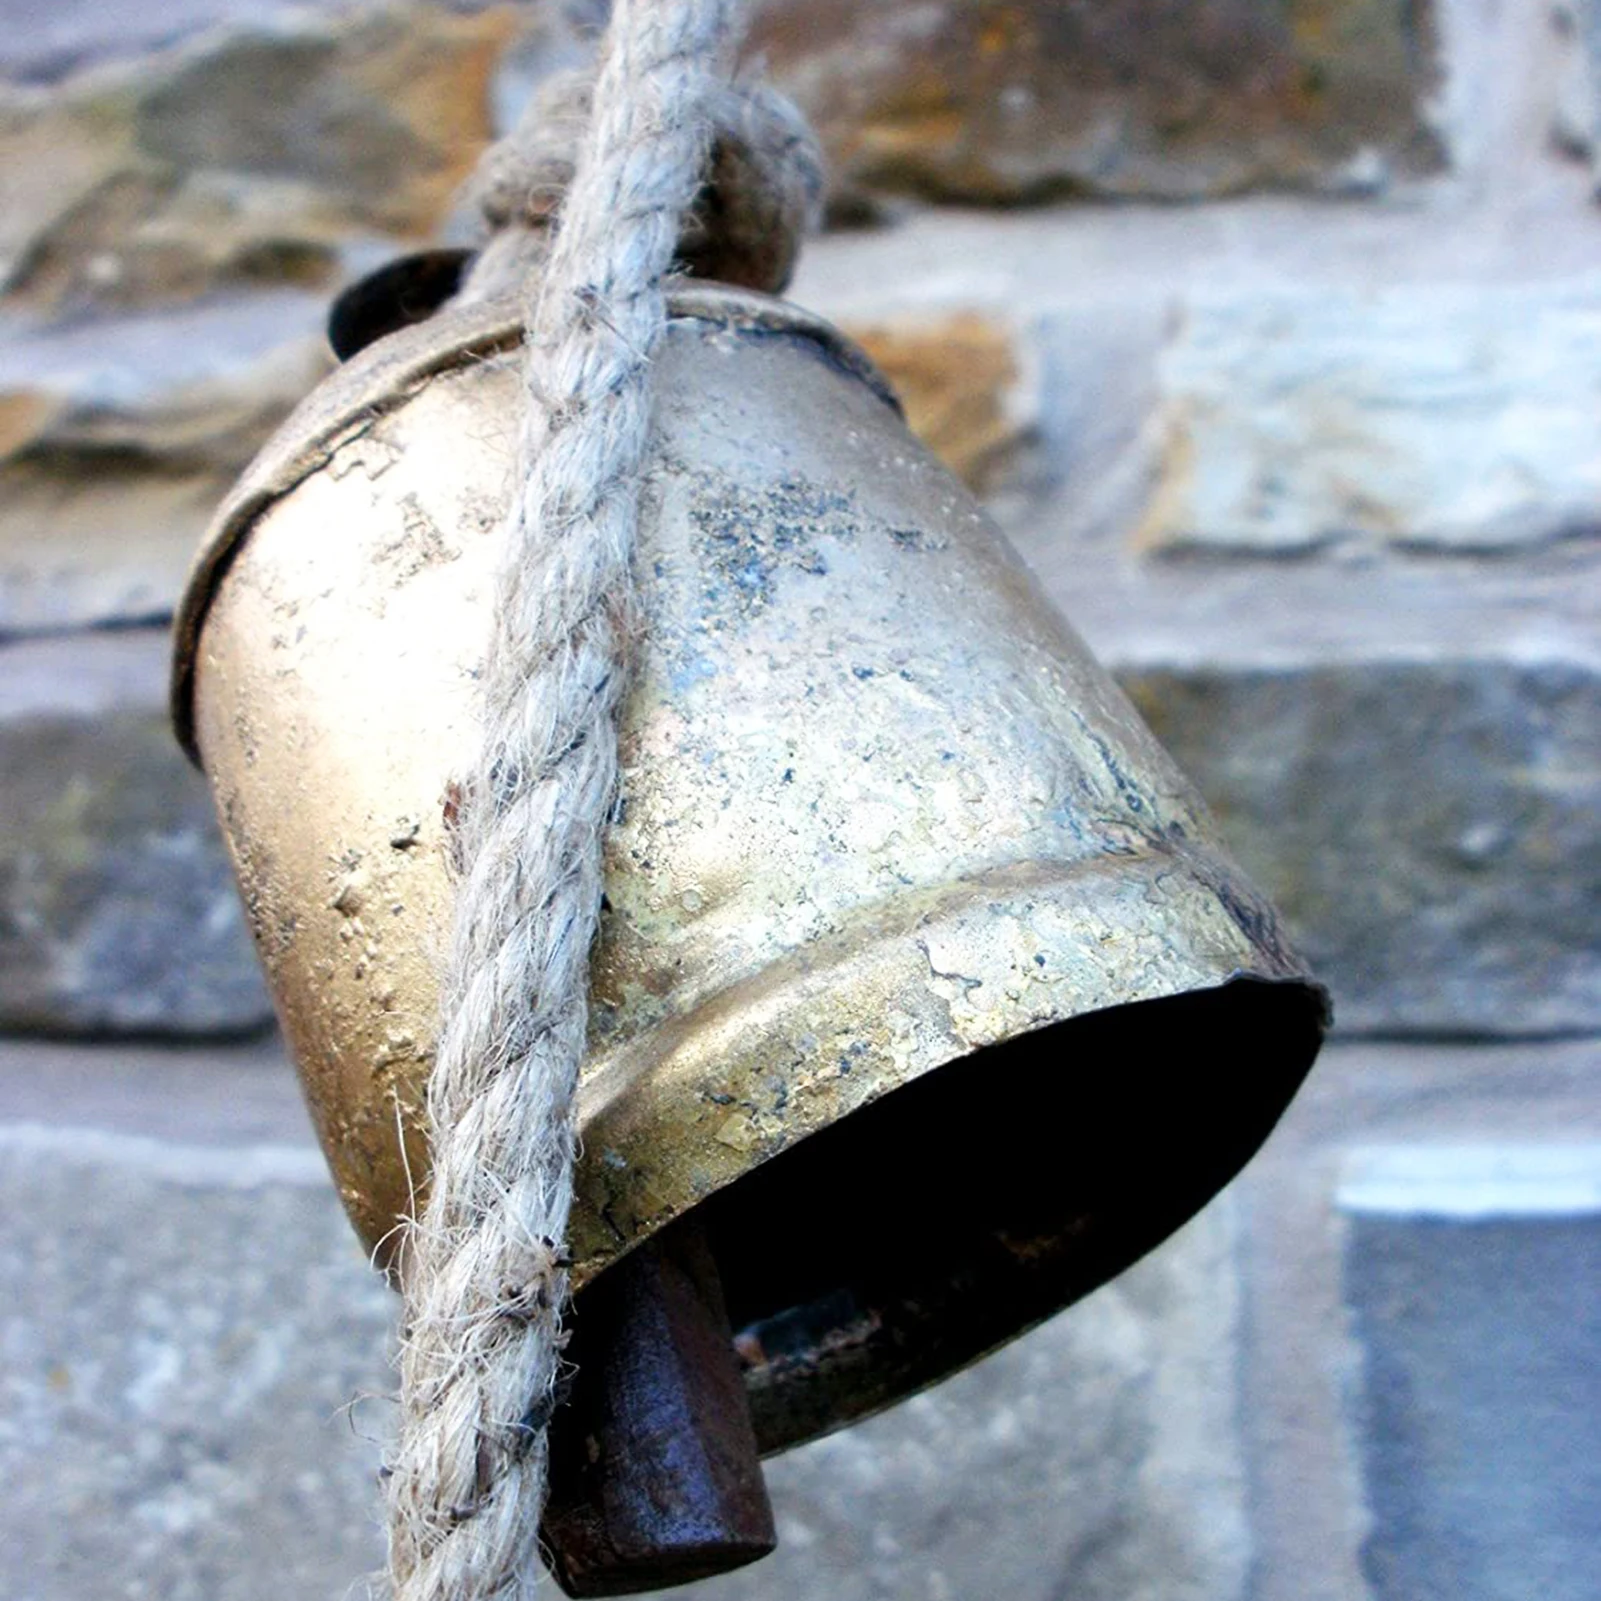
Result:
pixel 925 997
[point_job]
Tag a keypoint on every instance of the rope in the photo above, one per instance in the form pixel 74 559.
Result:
pixel 762 190
pixel 484 1268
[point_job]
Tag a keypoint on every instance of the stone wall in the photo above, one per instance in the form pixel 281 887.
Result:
pixel 1271 332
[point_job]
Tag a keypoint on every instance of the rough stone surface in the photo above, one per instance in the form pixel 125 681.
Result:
pixel 173 1393
pixel 1460 419
pixel 976 100
pixel 1576 114
pixel 249 154
pixel 1497 1123
pixel 1477 1417
pixel 46 40
pixel 117 906
pixel 182 1332
pixel 1097 1459
pixel 963 380
pixel 1429 829
pixel 118 441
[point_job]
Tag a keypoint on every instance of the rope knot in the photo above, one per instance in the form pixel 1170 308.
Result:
pixel 761 195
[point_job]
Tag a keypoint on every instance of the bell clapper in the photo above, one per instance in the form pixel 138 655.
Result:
pixel 655 1478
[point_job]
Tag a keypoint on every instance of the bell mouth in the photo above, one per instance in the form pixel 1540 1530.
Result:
pixel 905 1241
pixel 398 295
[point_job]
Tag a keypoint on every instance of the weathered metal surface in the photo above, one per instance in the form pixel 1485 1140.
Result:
pixel 654 1473
pixel 881 813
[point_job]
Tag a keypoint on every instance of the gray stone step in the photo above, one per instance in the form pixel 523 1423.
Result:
pixel 188 1318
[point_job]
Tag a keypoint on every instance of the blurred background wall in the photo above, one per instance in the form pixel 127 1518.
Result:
pixel 1271 332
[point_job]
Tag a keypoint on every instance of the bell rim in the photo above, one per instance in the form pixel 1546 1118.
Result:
pixel 383 376
pixel 1236 968
pixel 1197 923
pixel 797 1404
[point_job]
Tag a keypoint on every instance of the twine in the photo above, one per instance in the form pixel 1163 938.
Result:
pixel 761 190
pixel 484 1265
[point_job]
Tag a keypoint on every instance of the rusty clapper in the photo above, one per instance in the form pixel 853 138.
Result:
pixel 925 999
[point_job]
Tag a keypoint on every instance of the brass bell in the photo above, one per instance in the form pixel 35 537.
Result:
pixel 924 992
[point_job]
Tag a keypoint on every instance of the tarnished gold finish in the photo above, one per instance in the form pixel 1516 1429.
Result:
pixel 881 813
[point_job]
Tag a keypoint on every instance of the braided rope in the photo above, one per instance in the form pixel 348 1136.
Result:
pixel 484 1270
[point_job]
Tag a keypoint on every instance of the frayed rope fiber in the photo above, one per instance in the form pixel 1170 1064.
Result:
pixel 483 1266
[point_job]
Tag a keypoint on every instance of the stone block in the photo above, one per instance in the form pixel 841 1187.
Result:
pixel 118 440
pixel 185 1329
pixel 42 44
pixel 976 100
pixel 965 382
pixel 186 1324
pixel 1429 829
pixel 1576 119
pixel 247 154
pixel 1433 418
pixel 1473 1278
pixel 118 912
